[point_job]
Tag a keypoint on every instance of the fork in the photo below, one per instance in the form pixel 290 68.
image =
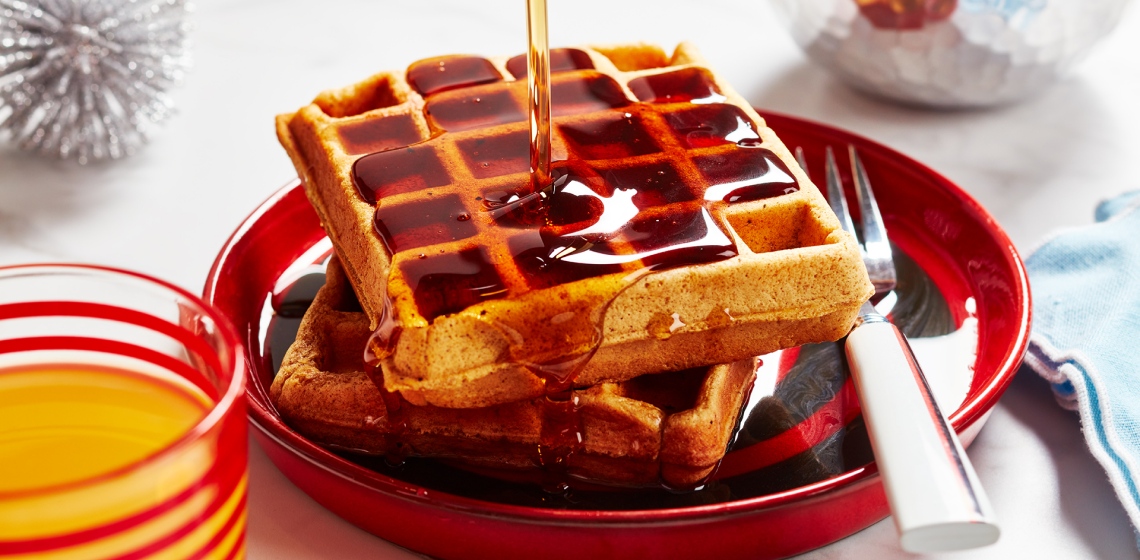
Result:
pixel 934 494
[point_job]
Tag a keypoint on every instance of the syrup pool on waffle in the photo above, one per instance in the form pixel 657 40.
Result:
pixel 623 200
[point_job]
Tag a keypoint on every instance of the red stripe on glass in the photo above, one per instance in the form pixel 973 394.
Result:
pixel 195 345
pixel 222 533
pixel 239 546
pixel 226 475
pixel 173 537
pixel 103 531
pixel 105 346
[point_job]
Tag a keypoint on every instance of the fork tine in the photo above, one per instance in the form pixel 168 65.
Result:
pixel 835 196
pixel 800 159
pixel 876 246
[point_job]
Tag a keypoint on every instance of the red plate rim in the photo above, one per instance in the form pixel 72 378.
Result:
pixel 980 402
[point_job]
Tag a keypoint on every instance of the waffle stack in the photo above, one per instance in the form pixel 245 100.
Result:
pixel 669 427
pixel 679 234
pixel 421 180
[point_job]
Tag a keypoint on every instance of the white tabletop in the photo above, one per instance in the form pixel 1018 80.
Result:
pixel 1037 166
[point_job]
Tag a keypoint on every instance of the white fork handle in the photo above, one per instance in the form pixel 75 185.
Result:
pixel 934 494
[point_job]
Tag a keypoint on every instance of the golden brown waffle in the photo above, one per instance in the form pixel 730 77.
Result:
pixel 403 167
pixel 672 427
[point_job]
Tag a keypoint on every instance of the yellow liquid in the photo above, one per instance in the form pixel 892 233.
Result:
pixel 65 423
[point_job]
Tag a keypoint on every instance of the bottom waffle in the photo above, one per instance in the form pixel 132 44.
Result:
pixel 671 428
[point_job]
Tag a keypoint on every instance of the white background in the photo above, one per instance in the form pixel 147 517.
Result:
pixel 1037 166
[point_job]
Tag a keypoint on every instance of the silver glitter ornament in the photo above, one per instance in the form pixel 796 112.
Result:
pixel 949 53
pixel 88 79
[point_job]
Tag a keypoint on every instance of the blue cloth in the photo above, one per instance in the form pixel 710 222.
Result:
pixel 1086 335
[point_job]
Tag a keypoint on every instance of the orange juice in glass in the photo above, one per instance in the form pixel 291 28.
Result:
pixel 122 424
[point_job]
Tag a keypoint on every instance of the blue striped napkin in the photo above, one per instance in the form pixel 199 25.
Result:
pixel 1086 335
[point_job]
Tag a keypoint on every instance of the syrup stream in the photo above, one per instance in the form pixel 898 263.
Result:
pixel 538 88
pixel 562 424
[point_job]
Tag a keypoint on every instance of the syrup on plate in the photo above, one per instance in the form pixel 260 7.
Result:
pixel 801 424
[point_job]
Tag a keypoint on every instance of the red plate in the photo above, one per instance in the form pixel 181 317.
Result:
pixel 946 232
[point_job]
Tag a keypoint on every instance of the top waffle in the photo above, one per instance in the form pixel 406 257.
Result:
pixel 421 180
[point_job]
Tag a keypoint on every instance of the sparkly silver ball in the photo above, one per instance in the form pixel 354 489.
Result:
pixel 949 53
pixel 88 79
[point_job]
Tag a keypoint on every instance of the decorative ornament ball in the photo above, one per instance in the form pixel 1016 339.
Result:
pixel 89 79
pixel 949 53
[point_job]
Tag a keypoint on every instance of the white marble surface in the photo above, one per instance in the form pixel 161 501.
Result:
pixel 1037 166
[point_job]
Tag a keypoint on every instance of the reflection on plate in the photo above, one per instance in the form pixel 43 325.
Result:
pixel 800 426
pixel 799 473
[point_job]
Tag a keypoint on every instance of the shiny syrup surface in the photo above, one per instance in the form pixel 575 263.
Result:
pixel 641 186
